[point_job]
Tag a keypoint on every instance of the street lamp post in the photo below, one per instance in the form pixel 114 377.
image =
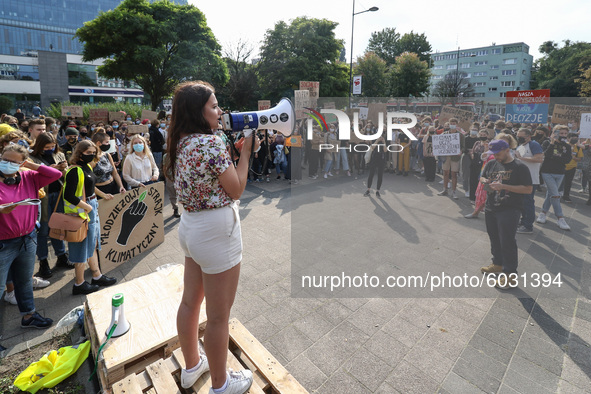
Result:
pixel 372 9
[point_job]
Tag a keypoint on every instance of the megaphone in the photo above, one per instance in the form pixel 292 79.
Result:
pixel 118 320
pixel 280 118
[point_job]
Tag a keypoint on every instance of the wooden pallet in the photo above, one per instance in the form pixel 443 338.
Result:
pixel 245 351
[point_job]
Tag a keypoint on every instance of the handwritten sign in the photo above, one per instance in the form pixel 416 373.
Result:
pixel 585 126
pixel 302 100
pixel 150 115
pixel 137 129
pixel 446 144
pixel 72 111
pixel 131 223
pixel 314 88
pixel 463 116
pixel 118 116
pixel 564 114
pixel 264 104
pixel 527 106
pixel 97 115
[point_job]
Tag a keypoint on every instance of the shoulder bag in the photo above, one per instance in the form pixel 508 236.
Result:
pixel 69 227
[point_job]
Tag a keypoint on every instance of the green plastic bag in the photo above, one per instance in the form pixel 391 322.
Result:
pixel 53 368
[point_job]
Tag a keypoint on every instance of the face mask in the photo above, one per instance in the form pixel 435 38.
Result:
pixel 570 125
pixel 483 138
pixel 574 140
pixel 105 148
pixel 83 134
pixel 563 139
pixel 129 119
pixel 110 133
pixel 115 126
pixel 452 126
pixel 473 132
pixel 48 152
pixel 426 124
pixel 162 126
pixel 92 129
pixel 86 158
pixel 521 140
pixel 8 168
pixel 124 129
pixel 137 122
pixel 138 147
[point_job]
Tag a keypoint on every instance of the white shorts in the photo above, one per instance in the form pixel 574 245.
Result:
pixel 212 238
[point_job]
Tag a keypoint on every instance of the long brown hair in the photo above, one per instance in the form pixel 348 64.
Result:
pixel 187 116
pixel 81 147
pixel 42 140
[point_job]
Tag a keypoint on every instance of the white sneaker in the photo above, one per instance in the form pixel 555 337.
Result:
pixel 325 176
pixel 562 224
pixel 238 382
pixel 330 174
pixel 39 283
pixel 441 182
pixel 188 379
pixel 541 218
pixel 10 298
pixel 454 195
pixel 467 194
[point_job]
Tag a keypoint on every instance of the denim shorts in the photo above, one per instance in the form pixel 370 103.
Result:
pixel 80 252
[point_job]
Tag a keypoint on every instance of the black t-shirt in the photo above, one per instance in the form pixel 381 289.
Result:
pixel 72 183
pixel 469 143
pixel 514 173
pixel 403 138
pixel 156 140
pixel 556 157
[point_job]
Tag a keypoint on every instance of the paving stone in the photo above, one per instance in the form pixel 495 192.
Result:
pixel 478 377
pixel 577 375
pixel 342 383
pixel 282 316
pixel 444 342
pixel 501 335
pixel 522 384
pixel 367 320
pixel 406 378
pixel 479 360
pixel 348 336
pixel 353 303
pixel 456 384
pixel 535 373
pixel 334 312
pixel 261 327
pixel 313 326
pixel 306 372
pixel 506 390
pixel 584 310
pixel 544 333
pixel 430 361
pixel 547 355
pixel 579 352
pixel 455 325
pixel 386 348
pixel 491 349
pixel 385 388
pixel 565 387
pixel 404 331
pixel 327 355
pixel 369 370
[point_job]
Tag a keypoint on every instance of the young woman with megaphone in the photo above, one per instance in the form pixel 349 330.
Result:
pixel 208 185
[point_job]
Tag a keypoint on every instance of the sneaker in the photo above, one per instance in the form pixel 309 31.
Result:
pixel 541 218
pixel 378 195
pixel 84 288
pixel 188 379
pixel 441 182
pixel 39 283
pixel 471 216
pixel 315 177
pixel 175 213
pixel 583 191
pixel 10 297
pixel 268 179
pixel 366 194
pixel 454 195
pixel 330 173
pixel 64 262
pixel 238 382
pixel 505 283
pixel 524 230
pixel 442 193
pixel 492 269
pixel 325 176
pixel 467 194
pixel 278 177
pixel 103 281
pixel 44 271
pixel 348 173
pixel 567 199
pixel 36 321
pixel 562 224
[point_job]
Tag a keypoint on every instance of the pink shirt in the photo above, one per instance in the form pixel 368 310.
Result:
pixel 21 221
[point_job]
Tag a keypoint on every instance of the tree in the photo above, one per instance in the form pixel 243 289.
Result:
pixel 5 104
pixel 374 72
pixel 157 45
pixel 305 50
pixel 242 90
pixel 452 86
pixel 385 44
pixel 560 68
pixel 409 76
pixel 585 82
pixel 416 43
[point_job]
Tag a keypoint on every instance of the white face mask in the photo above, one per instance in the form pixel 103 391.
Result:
pixel 452 126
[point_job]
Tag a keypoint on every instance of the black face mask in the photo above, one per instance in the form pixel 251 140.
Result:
pixel 110 133
pixel 86 158
pixel 48 152
pixel 105 148
pixel 521 140
pixel 563 139
pixel 574 140
pixel 431 132
pixel 482 138
pixel 83 134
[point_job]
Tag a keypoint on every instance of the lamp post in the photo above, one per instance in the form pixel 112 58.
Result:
pixel 372 9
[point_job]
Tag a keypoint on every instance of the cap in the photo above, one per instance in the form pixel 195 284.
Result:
pixel 71 131
pixel 497 146
pixel 145 121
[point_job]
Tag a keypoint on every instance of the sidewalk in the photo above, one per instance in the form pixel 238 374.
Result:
pixel 503 343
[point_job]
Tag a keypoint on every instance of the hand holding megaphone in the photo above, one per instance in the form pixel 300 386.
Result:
pixel 248 136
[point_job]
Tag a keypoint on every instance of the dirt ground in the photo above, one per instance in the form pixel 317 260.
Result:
pixel 12 366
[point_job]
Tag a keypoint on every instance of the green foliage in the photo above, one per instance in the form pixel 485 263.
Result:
pixel 585 82
pixel 242 90
pixel 416 43
pixel 157 45
pixel 374 72
pixel 452 86
pixel 560 68
pixel 409 76
pixel 305 50
pixel 388 44
pixel 55 110
pixel 5 104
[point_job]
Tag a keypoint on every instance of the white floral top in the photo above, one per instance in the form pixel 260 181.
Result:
pixel 201 159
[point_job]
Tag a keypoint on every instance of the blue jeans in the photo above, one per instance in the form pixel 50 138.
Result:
pixel 552 182
pixel 528 211
pixel 80 252
pixel 342 155
pixel 17 256
pixel 59 247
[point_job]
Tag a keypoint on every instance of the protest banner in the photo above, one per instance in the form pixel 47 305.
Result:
pixel 98 115
pixel 373 112
pixel 330 118
pixel 150 115
pixel 564 114
pixel 294 140
pixel 264 104
pixel 314 88
pixel 357 84
pixel 72 111
pixel 363 111
pixel 131 223
pixel 137 129
pixel 527 106
pixel 585 126
pixel 463 116
pixel 302 100
pixel 446 144
pixel 118 116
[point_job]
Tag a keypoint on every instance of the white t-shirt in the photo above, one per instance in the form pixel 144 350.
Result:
pixel 529 150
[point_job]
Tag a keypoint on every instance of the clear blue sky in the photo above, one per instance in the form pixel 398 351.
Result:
pixel 447 24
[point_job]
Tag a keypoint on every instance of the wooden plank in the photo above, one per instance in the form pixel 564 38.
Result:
pixel 162 379
pixel 256 388
pixel 257 375
pixel 281 380
pixel 129 385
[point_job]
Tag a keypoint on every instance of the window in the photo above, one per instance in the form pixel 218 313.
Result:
pixel 522 83
pixel 503 94
pixel 496 51
pixel 482 63
pixel 452 66
pixel 492 89
pixel 482 53
pixel 494 78
pixel 466 75
pixel 510 61
pixel 479 84
pixel 523 72
pixel 508 72
pixel 480 74
pixel 465 65
pixel 478 94
pixel 437 76
pixel 495 67
pixel 507 84
pixel 440 67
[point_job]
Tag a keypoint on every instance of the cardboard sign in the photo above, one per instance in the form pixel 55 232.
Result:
pixel 564 114
pixel 264 104
pixel 330 118
pixel 98 115
pixel 294 140
pixel 302 100
pixel 363 112
pixel 527 106
pixel 118 116
pixel 357 84
pixel 446 144
pixel 373 112
pixel 314 88
pixel 137 129
pixel 150 115
pixel 585 126
pixel 131 223
pixel 72 111
pixel 463 116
